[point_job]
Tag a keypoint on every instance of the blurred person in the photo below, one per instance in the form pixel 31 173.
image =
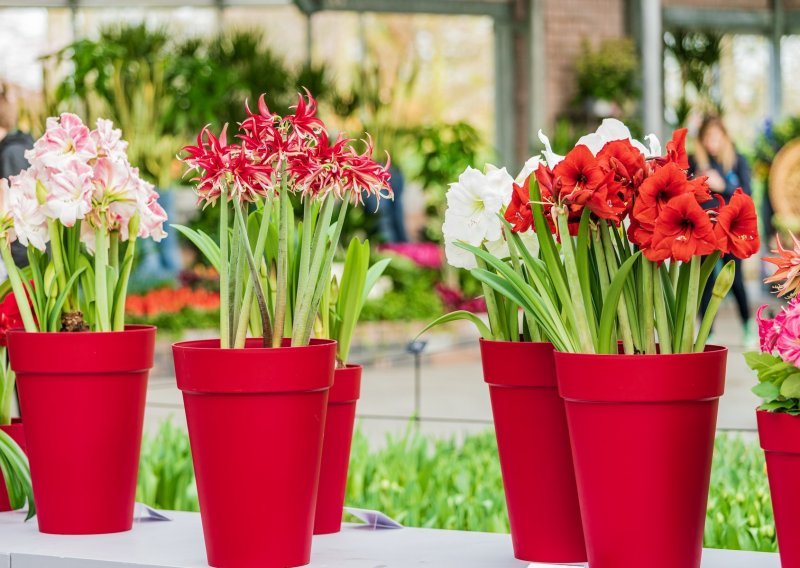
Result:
pixel 13 144
pixel 716 157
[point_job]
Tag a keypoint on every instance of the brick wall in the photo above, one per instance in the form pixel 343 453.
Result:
pixel 567 23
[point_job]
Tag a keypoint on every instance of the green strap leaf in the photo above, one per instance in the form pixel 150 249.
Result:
pixel 483 329
pixel 605 336
pixel 202 241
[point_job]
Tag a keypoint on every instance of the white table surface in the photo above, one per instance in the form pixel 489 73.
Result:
pixel 179 544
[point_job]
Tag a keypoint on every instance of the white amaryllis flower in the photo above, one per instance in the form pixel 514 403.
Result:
pixel 69 193
pixel 473 203
pixel 108 141
pixel 609 130
pixel 30 223
pixel 151 215
pixel 528 168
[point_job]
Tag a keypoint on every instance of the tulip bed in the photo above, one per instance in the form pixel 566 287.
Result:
pixel 450 484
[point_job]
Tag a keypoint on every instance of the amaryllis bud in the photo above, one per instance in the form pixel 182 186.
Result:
pixel 724 280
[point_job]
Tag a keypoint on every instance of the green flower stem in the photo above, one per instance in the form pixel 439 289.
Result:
pixel 578 301
pixel 8 379
pixel 281 294
pixel 721 288
pixel 224 282
pixel 513 323
pixel 604 269
pixel 118 322
pixel 491 305
pixel 113 250
pixel 249 283
pixel 244 315
pixel 103 317
pixel 662 318
pixel 629 338
pixel 308 207
pixel 18 287
pixel 690 314
pixel 57 252
pixel 316 252
pixel 648 321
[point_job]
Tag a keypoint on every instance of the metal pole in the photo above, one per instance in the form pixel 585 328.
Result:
pixel 652 66
pixel 504 103
pixel 416 348
pixel 775 74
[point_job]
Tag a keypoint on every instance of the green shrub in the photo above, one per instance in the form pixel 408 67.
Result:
pixel 449 484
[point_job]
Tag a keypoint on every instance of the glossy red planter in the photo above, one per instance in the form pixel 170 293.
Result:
pixel 642 432
pixel 533 446
pixel 339 422
pixel 780 438
pixel 16 432
pixel 256 418
pixel 82 395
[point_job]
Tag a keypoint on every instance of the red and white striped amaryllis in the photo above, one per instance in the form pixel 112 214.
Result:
pixel 293 151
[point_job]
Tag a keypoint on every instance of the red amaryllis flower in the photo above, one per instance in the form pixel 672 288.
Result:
pixel 737 227
pixel 578 172
pixel 519 212
pixel 683 230
pixel 549 188
pixel 787 275
pixel 626 165
pixel 220 164
pixel 10 318
pixel 676 151
pixel 662 186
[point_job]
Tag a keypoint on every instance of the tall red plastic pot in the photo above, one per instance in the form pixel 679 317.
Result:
pixel 339 421
pixel 533 446
pixel 16 432
pixel 780 438
pixel 82 395
pixel 642 431
pixel 256 418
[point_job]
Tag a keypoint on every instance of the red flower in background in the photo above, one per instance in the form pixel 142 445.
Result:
pixel 676 151
pixel 682 230
pixel 10 317
pixel 737 227
pixel 519 212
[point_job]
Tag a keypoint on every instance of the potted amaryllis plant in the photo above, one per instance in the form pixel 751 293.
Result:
pixel 529 417
pixel 256 407
pixel 339 311
pixel 628 240
pixel 778 367
pixel 17 486
pixel 81 373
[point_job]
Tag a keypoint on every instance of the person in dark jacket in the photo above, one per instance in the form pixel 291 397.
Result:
pixel 13 144
pixel 715 156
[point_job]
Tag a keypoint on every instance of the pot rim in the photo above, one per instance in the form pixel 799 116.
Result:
pixel 207 345
pixel 709 350
pixel 134 328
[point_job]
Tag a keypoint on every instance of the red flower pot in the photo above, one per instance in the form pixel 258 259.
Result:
pixel 16 433
pixel 533 446
pixel 780 438
pixel 82 395
pixel 256 418
pixel 642 431
pixel 336 449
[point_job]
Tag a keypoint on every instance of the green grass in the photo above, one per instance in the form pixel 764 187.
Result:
pixel 449 484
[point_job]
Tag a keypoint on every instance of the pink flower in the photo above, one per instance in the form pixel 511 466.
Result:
pixel 69 193
pixel 768 329
pixel 151 215
pixel 787 341
pixel 108 140
pixel 66 139
pixel 30 224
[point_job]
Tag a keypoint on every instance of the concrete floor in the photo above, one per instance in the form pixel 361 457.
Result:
pixel 453 398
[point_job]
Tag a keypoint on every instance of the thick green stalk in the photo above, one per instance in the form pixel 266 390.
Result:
pixel 604 270
pixel 8 379
pixel 648 320
pixel 662 318
pixel 316 252
pixel 721 288
pixel 305 250
pixel 281 295
pixel 581 322
pixel 119 302
pixel 57 252
pixel 245 314
pixel 113 251
pixel 224 283
pixel 624 319
pixel 18 288
pixel 103 319
pixel 254 278
pixel 491 306
pixel 689 317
